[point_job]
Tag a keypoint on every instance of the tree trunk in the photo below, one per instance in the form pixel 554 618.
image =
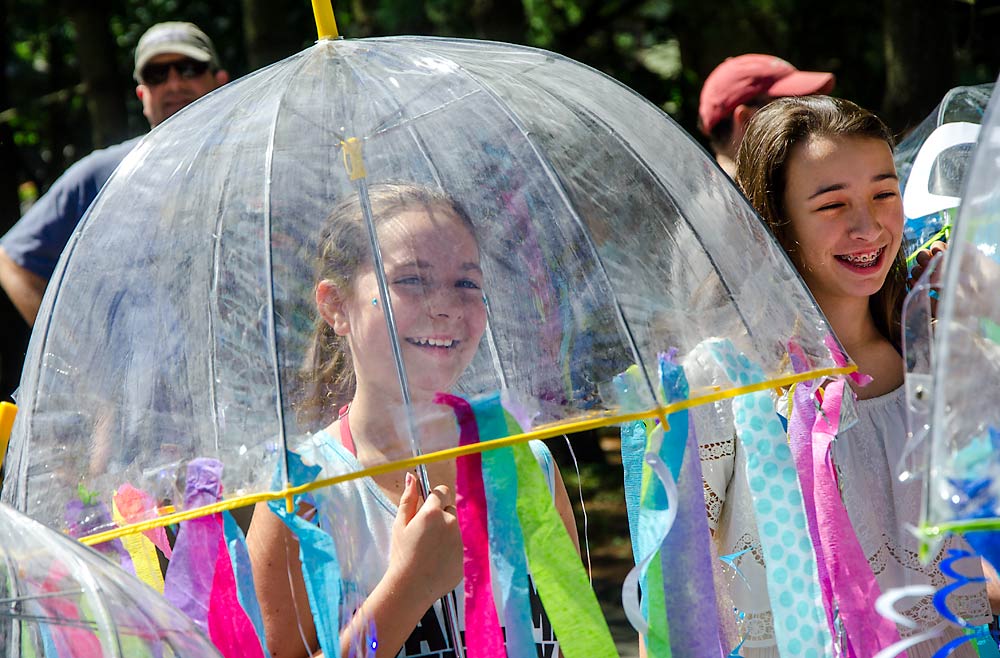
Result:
pixel 95 49
pixel 919 59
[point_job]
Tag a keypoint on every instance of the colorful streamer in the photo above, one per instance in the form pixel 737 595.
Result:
pixel 141 551
pixel 562 583
pixel 246 593
pixel 318 556
pixel 792 582
pixel 229 628
pixel 673 550
pixel 188 583
pixel 506 541
pixel 846 579
pixel 685 555
pixel 481 620
pixel 136 505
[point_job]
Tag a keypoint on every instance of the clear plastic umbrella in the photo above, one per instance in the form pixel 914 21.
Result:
pixel 61 599
pixel 186 318
pixel 961 493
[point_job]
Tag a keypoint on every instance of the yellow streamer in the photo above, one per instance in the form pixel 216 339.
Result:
pixel 143 554
pixel 542 432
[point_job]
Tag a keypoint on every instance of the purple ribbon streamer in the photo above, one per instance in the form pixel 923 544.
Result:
pixel 687 566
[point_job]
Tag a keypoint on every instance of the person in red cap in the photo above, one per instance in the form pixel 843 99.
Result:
pixel 740 86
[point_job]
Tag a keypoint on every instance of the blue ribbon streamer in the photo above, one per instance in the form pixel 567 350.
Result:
pixel 246 593
pixel 679 536
pixel 686 560
pixel 318 555
pixel 507 552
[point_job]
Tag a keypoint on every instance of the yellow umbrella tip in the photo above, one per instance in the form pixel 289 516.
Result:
pixel 326 24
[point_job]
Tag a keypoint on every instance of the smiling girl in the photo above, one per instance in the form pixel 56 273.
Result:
pixel 820 172
pixel 399 554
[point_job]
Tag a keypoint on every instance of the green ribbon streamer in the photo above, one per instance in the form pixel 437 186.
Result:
pixel 562 583
pixel 658 638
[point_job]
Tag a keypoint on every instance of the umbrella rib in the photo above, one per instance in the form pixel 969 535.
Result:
pixel 268 167
pixel 45 595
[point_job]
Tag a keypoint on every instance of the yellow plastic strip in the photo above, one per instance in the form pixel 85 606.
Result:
pixel 931 533
pixel 326 24
pixel 543 432
pixel 7 413
pixel 970 525
pixel 943 233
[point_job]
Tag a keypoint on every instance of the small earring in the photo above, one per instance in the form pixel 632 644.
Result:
pixel 374 301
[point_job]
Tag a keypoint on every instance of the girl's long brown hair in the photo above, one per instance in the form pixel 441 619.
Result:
pixel 760 174
pixel 327 375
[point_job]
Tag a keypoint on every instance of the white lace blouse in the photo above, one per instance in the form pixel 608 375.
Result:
pixel 881 510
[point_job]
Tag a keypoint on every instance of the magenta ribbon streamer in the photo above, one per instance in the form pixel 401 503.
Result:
pixel 800 427
pixel 846 579
pixel 481 620
pixel 229 627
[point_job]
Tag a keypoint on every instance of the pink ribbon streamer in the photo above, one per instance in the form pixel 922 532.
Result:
pixel 800 427
pixel 229 627
pixel 846 578
pixel 481 620
pixel 840 359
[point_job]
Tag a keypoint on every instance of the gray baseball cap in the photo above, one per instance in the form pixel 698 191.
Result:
pixel 175 38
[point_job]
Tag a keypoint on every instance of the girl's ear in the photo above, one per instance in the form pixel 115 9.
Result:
pixel 330 302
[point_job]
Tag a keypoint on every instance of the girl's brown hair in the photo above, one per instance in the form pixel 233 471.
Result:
pixel 760 173
pixel 327 375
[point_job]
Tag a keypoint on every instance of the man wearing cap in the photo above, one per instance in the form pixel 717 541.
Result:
pixel 740 86
pixel 175 64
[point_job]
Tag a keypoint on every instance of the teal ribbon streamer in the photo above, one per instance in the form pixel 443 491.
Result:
pixel 507 554
pixel 246 593
pixel 318 555
pixel 792 580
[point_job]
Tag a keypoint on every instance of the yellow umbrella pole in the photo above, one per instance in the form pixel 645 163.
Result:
pixel 326 24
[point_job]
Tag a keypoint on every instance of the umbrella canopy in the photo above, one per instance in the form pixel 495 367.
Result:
pixel 178 323
pixel 59 598
pixel 962 488
pixel 498 243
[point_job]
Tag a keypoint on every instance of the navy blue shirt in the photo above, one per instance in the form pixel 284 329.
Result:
pixel 38 238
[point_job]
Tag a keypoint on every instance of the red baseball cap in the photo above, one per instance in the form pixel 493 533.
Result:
pixel 740 79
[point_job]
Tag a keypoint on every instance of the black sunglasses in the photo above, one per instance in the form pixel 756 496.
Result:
pixel 157 74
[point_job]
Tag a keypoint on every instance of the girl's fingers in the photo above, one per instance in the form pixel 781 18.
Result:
pixel 442 497
pixel 409 502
